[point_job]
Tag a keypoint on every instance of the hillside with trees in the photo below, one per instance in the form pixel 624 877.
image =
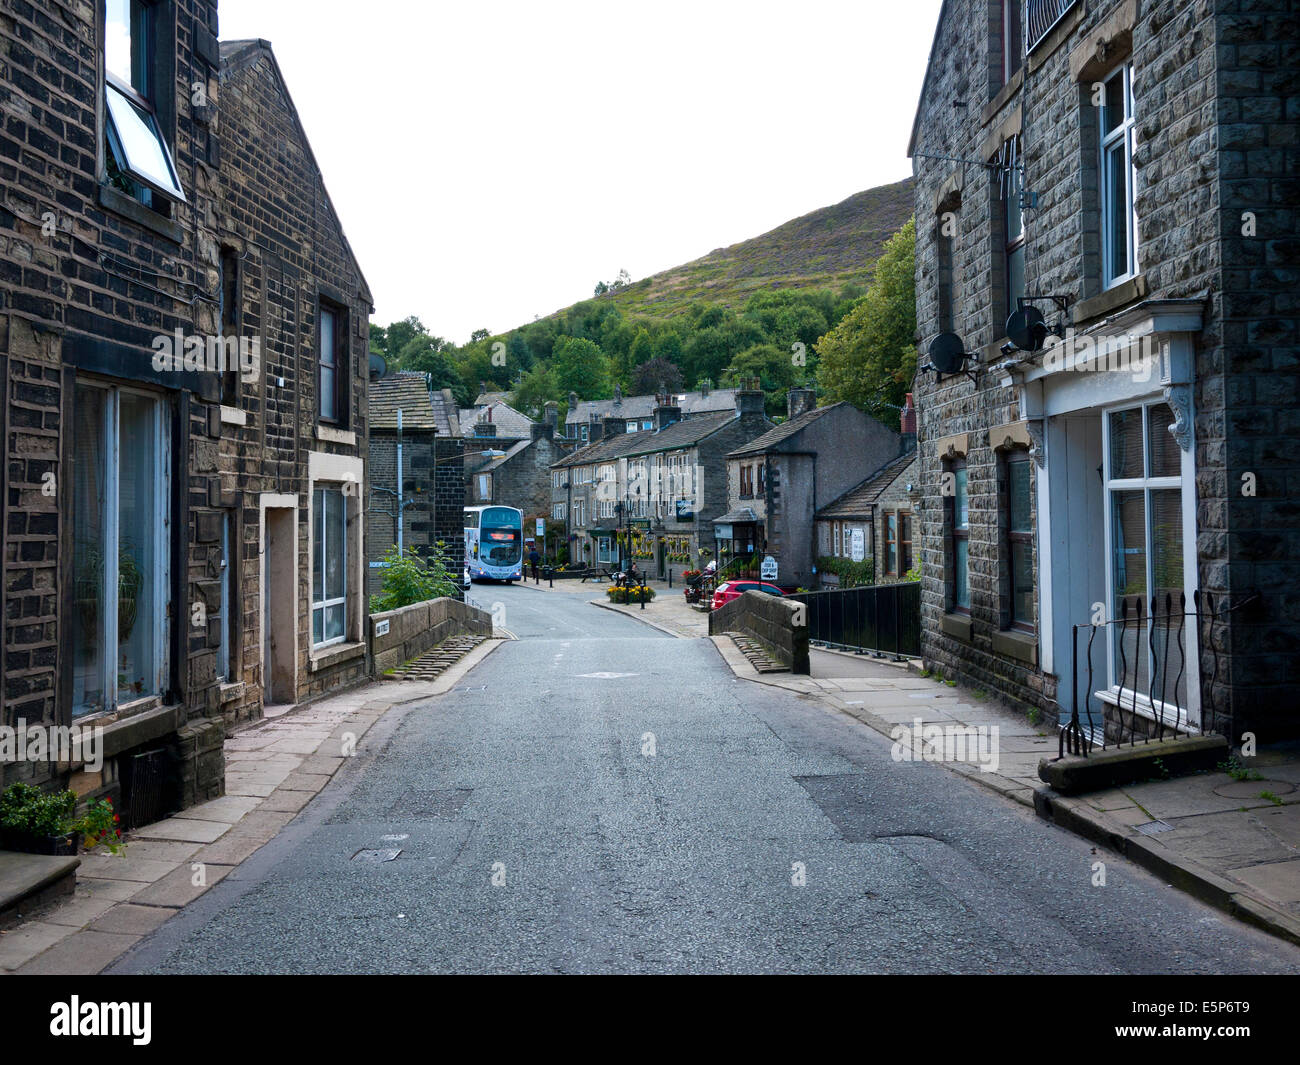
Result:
pixel 826 299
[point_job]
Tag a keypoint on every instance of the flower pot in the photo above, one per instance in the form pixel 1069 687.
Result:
pixel 25 843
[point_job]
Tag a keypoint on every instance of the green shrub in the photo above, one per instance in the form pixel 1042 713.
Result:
pixel 851 574
pixel 27 808
pixel 412 578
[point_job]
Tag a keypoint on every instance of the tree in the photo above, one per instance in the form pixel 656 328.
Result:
pixel 533 391
pixel 378 339
pixel 478 334
pixel 402 333
pixel 580 366
pixel 656 375
pixel 869 359
pixel 774 368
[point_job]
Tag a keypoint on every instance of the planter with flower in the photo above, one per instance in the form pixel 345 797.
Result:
pixel 640 593
pixel 34 821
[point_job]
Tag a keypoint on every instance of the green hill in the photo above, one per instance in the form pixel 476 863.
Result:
pixel 827 248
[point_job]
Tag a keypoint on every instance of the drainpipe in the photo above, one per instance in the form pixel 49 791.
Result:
pixel 401 510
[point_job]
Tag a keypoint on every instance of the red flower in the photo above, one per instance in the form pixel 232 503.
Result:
pixel 116 818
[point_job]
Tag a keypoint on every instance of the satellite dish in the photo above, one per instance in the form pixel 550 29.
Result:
pixel 947 353
pixel 378 365
pixel 1025 329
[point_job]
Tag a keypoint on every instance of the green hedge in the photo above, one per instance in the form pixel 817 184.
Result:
pixel 851 574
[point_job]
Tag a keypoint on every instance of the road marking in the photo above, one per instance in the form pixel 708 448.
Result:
pixel 606 676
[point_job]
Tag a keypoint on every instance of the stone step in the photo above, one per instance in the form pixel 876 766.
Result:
pixel 31 880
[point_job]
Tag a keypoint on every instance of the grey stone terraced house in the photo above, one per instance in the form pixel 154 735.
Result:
pixel 657 491
pixel 1126 168
pixel 777 482
pixel 182 351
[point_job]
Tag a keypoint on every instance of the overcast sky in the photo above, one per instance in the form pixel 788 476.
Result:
pixel 492 161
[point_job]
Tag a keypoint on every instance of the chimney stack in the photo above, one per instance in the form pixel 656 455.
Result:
pixel 551 413
pixel 618 395
pixel 614 425
pixel 749 403
pixel 666 411
pixel 907 425
pixel 800 401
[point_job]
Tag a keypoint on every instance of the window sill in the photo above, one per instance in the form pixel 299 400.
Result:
pixel 231 692
pixel 958 625
pixel 233 416
pixel 122 204
pixel 1022 646
pixel 134 724
pixel 1115 297
pixel 1004 94
pixel 334 654
pixel 1173 716
pixel 336 436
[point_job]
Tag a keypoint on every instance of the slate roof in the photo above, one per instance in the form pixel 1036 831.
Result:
pixel 769 440
pixel 422 410
pixel 685 433
pixel 510 423
pixel 691 403
pixel 859 500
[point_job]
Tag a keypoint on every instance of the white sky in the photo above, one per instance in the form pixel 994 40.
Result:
pixel 492 161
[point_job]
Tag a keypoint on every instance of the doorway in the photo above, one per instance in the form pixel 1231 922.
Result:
pixel 279 594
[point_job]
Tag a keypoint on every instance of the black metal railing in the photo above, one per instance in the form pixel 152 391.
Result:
pixel 1156 648
pixel 880 619
pixel 1042 15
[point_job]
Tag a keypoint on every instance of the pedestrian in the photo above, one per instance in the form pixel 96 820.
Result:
pixel 533 559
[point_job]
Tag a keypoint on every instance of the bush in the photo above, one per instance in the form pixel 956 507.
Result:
pixel 26 808
pixel 639 593
pixel 411 578
pixel 851 574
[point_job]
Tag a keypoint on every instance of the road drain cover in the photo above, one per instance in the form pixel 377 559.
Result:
pixel 377 855
pixel 1152 827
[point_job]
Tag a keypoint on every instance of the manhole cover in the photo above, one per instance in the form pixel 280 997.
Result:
pixel 377 855
pixel 1250 789
pixel 1152 827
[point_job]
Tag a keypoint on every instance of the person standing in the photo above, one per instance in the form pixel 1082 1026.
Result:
pixel 533 559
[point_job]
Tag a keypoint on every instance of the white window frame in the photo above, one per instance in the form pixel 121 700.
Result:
pixel 1120 139
pixel 324 604
pixel 159 608
pixel 224 648
pixel 1187 499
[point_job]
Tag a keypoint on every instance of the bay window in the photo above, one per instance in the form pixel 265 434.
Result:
pixel 121 548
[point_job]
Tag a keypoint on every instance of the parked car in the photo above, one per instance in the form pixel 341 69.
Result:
pixel 729 590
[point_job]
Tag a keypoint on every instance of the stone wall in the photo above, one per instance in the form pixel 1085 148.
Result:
pixel 780 625
pixel 413 629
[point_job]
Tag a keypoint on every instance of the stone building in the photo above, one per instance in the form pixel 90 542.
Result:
pixel 159 351
pixel 777 482
pixel 509 458
pixel 657 491
pixel 1124 170
pixel 430 491
pixel 872 521
pixel 637 412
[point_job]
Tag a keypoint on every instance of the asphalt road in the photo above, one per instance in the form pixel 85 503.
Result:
pixel 613 855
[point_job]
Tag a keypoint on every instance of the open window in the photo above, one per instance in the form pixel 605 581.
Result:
pixel 137 158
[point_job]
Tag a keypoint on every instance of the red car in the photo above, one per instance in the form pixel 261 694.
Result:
pixel 729 590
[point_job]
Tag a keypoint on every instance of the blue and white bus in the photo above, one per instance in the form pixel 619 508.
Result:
pixel 494 543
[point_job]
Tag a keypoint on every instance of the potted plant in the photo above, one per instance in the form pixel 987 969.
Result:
pixel 34 821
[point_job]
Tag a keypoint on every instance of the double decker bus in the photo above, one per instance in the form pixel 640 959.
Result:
pixel 494 543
